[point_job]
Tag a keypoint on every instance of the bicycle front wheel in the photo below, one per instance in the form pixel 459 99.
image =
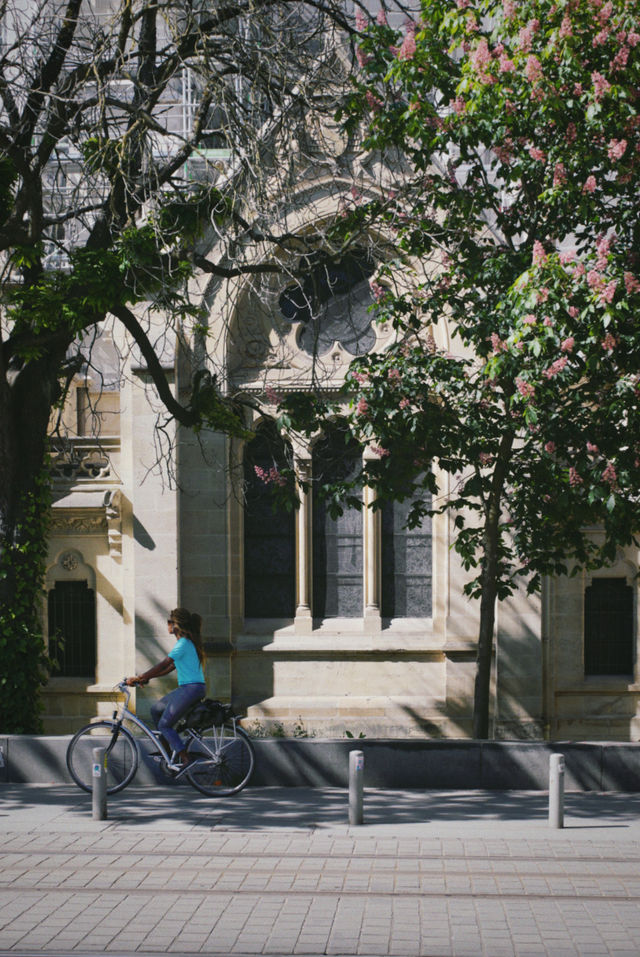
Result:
pixel 122 755
pixel 223 758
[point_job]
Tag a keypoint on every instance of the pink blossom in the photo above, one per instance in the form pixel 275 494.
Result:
pixel 374 102
pixel 559 175
pixel 594 279
pixel 592 449
pixel 404 403
pixel 496 342
pixel 539 257
pixel 619 61
pixel 529 319
pixel 381 19
pixel 567 344
pixel 555 368
pixel 360 377
pixel 572 133
pixel 566 27
pixel 631 284
pixel 459 106
pixel 601 85
pixel 408 49
pixel 537 154
pixel 616 149
pixel 270 476
pixel 525 35
pixel 573 311
pixel 633 38
pixel 272 396
pixel 510 9
pixel 609 342
pixel 377 290
pixel 362 57
pixel 505 64
pixel 603 248
pixel 605 12
pixel 362 21
pixel 526 389
pixel 609 475
pixel 378 450
pixel 481 59
pixel 542 294
pixel 600 37
pixel 579 270
pixel 547 322
pixel 567 257
pixel 550 447
pixel 589 185
pixel 395 376
pixel 609 291
pixel 485 458
pixel 362 407
pixel 574 478
pixel 533 69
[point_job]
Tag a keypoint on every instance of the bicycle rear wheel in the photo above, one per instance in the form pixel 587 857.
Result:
pixel 122 755
pixel 224 759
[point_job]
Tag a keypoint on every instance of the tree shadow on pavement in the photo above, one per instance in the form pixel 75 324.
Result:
pixel 179 807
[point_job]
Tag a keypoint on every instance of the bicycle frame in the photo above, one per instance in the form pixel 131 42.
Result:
pixel 125 714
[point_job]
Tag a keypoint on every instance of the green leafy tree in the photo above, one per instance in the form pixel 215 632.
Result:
pixel 135 138
pixel 511 139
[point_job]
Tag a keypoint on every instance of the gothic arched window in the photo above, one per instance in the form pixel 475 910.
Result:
pixel 337 542
pixel 332 303
pixel 269 532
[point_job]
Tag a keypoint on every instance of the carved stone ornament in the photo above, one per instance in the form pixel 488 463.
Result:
pixel 69 562
pixel 67 520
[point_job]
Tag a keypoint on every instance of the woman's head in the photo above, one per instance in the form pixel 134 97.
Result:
pixel 189 624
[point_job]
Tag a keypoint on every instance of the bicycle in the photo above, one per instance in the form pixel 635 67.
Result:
pixel 221 754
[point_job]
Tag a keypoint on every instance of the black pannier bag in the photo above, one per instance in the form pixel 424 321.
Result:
pixel 203 714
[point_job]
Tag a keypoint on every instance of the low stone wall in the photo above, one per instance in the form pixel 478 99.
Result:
pixel 397 763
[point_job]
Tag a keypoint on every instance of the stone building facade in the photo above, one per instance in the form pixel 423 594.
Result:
pixel 313 626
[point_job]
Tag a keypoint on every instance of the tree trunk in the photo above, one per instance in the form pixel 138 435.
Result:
pixel 489 589
pixel 27 397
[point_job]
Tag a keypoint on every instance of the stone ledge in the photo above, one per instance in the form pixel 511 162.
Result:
pixel 446 764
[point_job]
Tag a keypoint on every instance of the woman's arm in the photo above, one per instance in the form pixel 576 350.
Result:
pixel 164 667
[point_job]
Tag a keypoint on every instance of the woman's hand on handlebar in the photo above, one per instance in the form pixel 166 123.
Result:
pixel 135 681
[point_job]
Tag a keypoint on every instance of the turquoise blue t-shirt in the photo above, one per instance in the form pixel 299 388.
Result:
pixel 185 658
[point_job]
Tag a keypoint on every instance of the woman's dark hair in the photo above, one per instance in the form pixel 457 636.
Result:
pixel 189 624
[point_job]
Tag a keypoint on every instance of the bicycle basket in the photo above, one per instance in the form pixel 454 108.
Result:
pixel 203 714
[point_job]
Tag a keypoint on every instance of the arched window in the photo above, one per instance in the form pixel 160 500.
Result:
pixel 608 627
pixel 337 542
pixel 269 532
pixel 406 564
pixel 72 629
pixel 332 304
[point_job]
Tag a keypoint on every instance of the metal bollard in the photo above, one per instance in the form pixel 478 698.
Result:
pixel 356 775
pixel 99 790
pixel 556 790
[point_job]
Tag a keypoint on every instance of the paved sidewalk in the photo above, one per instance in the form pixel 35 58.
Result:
pixel 279 871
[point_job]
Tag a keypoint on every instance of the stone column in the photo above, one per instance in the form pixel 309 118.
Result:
pixel 304 518
pixel 371 565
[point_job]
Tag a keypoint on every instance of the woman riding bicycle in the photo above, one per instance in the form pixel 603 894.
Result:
pixel 187 658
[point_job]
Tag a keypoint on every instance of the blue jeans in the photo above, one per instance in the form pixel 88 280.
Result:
pixel 166 711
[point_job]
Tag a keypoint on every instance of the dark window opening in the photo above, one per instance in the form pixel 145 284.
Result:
pixel 337 542
pixel 72 629
pixel 333 304
pixel 406 564
pixel 609 635
pixel 269 533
